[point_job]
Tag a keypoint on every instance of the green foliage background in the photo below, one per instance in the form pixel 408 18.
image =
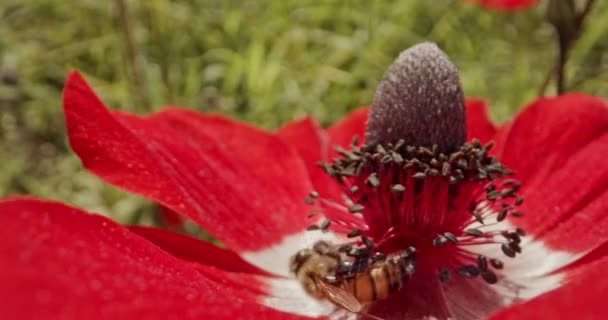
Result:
pixel 267 62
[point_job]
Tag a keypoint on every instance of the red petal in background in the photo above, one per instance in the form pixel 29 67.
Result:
pixel 505 5
pixel 584 297
pixel 342 132
pixel 549 131
pixel 170 218
pixel 242 184
pixel 59 262
pixel 479 126
pixel 312 143
pixel 558 147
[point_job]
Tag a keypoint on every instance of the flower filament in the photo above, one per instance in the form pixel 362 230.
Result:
pixel 398 196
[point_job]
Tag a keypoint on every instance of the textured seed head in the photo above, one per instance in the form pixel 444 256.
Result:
pixel 420 101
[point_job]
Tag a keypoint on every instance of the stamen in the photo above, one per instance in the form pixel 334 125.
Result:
pixel 417 183
pixel 400 196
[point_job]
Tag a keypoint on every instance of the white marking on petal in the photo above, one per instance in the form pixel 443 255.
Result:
pixel 288 295
pixel 275 259
pixel 529 274
pixel 535 260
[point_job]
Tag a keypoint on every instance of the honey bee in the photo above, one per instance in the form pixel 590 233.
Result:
pixel 351 283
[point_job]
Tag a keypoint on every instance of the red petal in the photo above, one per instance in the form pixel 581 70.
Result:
pixel 479 125
pixel 313 145
pixel 505 5
pixel 242 184
pixel 195 250
pixel 584 297
pixel 353 124
pixel 558 148
pixel 551 130
pixel 59 262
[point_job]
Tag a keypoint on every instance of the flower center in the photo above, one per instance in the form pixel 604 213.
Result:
pixel 442 204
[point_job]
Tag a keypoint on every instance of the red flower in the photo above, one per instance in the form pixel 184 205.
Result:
pixel 246 186
pixel 505 5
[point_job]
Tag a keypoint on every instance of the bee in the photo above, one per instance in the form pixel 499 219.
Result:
pixel 351 283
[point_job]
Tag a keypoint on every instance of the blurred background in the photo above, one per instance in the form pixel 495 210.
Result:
pixel 266 62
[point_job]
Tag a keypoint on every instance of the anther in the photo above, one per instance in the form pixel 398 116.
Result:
pixel 419 175
pixel 501 215
pixel 497 264
pixel 355 208
pixel 489 277
pixel 507 250
pixel 451 237
pixel 398 188
pixel 482 263
pixel 445 169
pixel 492 195
pixel 368 243
pixel 372 180
pixel 325 225
pixel 468 271
pixel 474 232
pixel 517 214
pixel 478 216
pixel 439 241
pixel 444 275
pixel 354 234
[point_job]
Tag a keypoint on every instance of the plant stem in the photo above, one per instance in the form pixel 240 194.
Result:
pixel 565 41
pixel 134 62
pixel 586 10
pixel 564 44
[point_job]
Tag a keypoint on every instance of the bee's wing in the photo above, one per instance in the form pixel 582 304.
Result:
pixel 340 296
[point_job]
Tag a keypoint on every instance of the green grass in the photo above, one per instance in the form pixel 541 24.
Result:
pixel 266 62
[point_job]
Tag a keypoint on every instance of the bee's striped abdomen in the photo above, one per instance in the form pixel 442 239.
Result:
pixel 381 280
